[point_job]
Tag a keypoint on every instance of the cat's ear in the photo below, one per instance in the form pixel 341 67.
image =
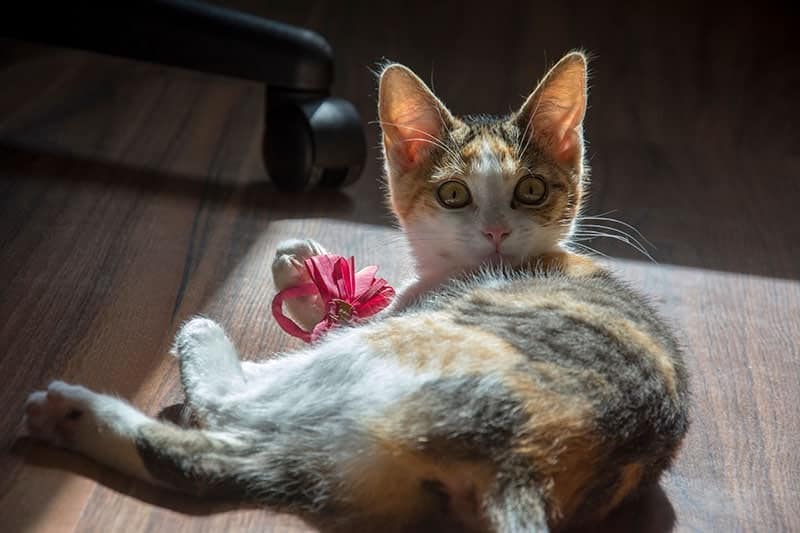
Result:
pixel 412 118
pixel 553 113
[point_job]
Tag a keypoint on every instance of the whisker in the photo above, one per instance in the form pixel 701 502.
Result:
pixel 593 235
pixel 588 249
pixel 524 138
pixel 526 134
pixel 603 214
pixel 460 163
pixel 617 231
pixel 604 218
pixel 432 139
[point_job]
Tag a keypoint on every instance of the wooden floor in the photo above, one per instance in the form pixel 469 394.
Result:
pixel 132 196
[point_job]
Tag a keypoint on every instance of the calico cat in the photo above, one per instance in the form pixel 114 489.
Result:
pixel 513 386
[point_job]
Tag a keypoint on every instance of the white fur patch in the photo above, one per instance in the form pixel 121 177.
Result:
pixel 99 426
pixel 332 381
pixel 488 162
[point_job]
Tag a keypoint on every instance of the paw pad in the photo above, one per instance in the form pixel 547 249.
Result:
pixel 52 415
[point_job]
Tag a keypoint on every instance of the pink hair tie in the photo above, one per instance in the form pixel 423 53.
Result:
pixel 348 296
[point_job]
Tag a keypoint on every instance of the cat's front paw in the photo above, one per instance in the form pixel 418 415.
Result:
pixel 55 415
pixel 288 270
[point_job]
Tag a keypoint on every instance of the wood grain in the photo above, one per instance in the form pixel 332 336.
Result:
pixel 132 196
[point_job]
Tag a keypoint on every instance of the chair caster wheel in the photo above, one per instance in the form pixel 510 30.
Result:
pixel 312 141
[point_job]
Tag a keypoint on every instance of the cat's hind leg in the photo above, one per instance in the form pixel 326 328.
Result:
pixel 113 432
pixel 210 366
pixel 101 427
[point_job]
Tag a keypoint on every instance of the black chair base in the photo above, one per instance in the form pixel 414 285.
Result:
pixel 311 139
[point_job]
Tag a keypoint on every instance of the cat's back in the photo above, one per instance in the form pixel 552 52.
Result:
pixel 591 327
pixel 592 321
pixel 588 338
pixel 577 374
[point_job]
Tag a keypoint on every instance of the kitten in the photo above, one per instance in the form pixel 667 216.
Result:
pixel 513 386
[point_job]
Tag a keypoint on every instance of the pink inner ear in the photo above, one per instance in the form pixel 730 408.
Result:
pixel 403 152
pixel 566 147
pixel 409 147
pixel 413 149
pixel 410 137
pixel 557 128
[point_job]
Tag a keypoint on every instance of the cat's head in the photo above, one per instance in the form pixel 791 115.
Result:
pixel 473 190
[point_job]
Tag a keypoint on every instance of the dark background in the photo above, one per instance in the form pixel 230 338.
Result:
pixel 693 105
pixel 133 196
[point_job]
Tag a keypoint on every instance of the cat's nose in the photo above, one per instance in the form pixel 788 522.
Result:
pixel 496 234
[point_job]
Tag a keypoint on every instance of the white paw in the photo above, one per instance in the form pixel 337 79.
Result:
pixel 288 269
pixel 209 364
pixel 57 414
pixel 197 332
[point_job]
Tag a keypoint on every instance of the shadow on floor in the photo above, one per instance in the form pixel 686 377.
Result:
pixel 650 512
pixel 22 163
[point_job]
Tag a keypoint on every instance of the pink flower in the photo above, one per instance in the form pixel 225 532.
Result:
pixel 348 296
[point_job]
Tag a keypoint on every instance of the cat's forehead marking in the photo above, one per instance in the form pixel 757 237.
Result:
pixel 489 155
pixel 488 160
pixel 480 146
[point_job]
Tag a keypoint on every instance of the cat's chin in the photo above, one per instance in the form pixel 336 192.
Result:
pixel 497 259
pixel 445 271
pixel 494 259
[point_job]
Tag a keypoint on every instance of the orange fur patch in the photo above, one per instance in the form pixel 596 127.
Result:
pixel 630 477
pixel 434 342
pixel 558 440
pixel 570 264
pixel 396 456
pixel 621 329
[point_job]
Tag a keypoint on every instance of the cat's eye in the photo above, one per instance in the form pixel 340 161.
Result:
pixel 530 190
pixel 453 194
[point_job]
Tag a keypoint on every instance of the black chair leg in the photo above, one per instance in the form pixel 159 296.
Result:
pixel 314 136
pixel 311 139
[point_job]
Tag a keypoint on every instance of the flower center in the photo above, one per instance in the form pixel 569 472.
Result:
pixel 340 311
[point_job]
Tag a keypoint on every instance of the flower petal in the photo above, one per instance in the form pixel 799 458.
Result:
pixel 344 279
pixel 288 325
pixel 377 302
pixel 364 280
pixel 321 270
pixel 338 284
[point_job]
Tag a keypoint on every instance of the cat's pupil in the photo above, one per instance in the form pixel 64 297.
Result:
pixel 530 190
pixel 453 194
